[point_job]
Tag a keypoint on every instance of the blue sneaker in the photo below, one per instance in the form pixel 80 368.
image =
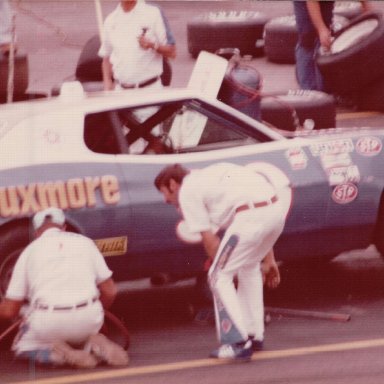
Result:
pixel 239 351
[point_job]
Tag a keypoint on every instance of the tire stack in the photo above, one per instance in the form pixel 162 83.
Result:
pixel 354 67
pixel 228 29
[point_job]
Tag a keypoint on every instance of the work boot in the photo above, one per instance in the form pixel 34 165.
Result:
pixel 106 350
pixel 62 354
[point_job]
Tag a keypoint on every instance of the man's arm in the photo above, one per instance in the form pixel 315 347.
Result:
pixel 211 243
pixel 166 50
pixel 270 270
pixel 108 292
pixel 106 68
pixel 322 29
pixel 9 309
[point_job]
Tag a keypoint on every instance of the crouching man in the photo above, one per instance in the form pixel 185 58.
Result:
pixel 65 280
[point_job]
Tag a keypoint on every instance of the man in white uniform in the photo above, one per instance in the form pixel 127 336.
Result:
pixel 133 46
pixel 246 205
pixel 66 282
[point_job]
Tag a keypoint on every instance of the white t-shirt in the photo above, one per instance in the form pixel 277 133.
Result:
pixel 58 268
pixel 211 195
pixel 130 63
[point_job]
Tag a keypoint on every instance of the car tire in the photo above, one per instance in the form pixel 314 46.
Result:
pixel 21 76
pixel 215 30
pixel 88 67
pixel 280 37
pixel 13 241
pixel 356 56
pixel 298 108
pixel 348 9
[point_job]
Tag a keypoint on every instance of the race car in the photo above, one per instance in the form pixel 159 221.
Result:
pixel 81 152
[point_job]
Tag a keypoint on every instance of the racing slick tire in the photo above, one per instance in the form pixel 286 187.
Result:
pixel 280 37
pixel 356 56
pixel 13 241
pixel 348 9
pixel 299 108
pixel 21 77
pixel 89 64
pixel 215 30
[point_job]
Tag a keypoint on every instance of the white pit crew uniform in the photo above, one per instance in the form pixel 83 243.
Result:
pixel 58 274
pixel 208 198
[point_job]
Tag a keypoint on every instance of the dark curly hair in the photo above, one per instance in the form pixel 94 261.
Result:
pixel 175 172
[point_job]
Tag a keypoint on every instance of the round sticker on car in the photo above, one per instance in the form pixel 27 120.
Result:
pixel 345 193
pixel 369 146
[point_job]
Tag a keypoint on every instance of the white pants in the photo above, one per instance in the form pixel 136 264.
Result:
pixel 240 312
pixel 42 328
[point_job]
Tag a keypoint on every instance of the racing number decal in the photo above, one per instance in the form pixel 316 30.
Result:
pixel 71 194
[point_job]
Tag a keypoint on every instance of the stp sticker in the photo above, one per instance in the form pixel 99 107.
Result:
pixel 369 146
pixel 344 193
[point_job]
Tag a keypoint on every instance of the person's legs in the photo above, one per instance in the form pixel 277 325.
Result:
pixel 250 294
pixel 305 48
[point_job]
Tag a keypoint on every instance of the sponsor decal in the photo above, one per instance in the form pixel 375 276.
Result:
pixel 70 194
pixel 226 325
pixel 297 158
pixel 342 175
pixel 338 160
pixel 112 246
pixel 344 193
pixel 332 147
pixel 369 146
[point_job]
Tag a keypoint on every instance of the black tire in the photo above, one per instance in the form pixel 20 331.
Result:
pixel 371 98
pixel 291 110
pixel 13 241
pixel 356 57
pixel 280 37
pixel 89 64
pixel 348 9
pixel 21 75
pixel 213 31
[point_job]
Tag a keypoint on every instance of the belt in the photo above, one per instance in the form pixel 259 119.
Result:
pixel 82 304
pixel 260 204
pixel 140 85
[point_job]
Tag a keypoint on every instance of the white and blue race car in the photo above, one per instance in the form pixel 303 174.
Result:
pixel 81 152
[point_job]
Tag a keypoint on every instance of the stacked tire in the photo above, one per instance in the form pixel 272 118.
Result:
pixel 354 67
pixel 216 30
pixel 296 109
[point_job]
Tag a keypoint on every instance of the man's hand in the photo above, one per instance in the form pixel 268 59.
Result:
pixel 270 271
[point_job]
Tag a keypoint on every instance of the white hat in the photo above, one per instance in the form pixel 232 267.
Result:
pixel 56 215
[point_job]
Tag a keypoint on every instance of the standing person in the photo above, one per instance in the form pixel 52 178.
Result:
pixel 313 20
pixel 135 42
pixel 246 205
pixel 65 280
pixel 133 46
pixel 6 22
